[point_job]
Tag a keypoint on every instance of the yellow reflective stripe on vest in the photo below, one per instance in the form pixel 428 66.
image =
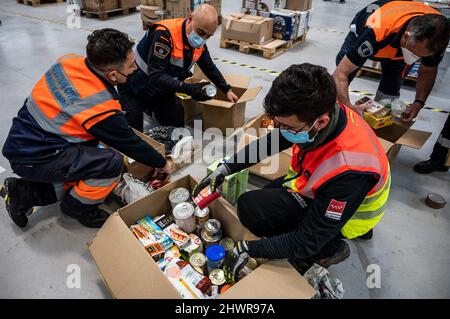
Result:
pixel 372 198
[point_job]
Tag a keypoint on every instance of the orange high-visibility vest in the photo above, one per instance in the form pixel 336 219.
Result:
pixel 69 99
pixel 355 149
pixel 390 18
pixel 175 27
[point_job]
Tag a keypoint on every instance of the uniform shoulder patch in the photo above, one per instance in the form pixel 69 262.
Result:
pixel 366 49
pixel 335 209
pixel 161 50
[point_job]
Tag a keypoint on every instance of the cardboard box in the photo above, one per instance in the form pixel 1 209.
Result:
pixel 247 28
pixel 269 5
pixel 220 112
pixel 101 5
pixel 447 163
pixel 274 166
pixel 305 20
pixel 250 4
pixel 151 14
pixel 399 134
pixel 154 3
pixel 299 5
pixel 286 24
pixel 178 8
pixel 139 170
pixel 125 4
pixel 128 271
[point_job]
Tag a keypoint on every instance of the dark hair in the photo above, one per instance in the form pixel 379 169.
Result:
pixel 108 47
pixel 434 28
pixel 305 90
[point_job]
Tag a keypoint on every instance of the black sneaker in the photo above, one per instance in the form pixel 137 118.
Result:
pixel 95 218
pixel 430 166
pixel 342 1
pixel 16 206
pixel 341 254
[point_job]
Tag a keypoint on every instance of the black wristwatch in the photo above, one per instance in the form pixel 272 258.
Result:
pixel 422 103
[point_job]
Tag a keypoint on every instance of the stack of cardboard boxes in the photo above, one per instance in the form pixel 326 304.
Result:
pixel 291 18
pixel 156 10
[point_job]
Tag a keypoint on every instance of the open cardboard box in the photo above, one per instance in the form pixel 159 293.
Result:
pixel 219 112
pixel 130 272
pixel 399 133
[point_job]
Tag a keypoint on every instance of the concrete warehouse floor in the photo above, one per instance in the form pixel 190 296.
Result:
pixel 411 244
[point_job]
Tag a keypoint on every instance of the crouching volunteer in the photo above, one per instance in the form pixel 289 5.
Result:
pixel 54 138
pixel 337 185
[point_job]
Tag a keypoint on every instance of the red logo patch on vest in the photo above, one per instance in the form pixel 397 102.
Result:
pixel 335 209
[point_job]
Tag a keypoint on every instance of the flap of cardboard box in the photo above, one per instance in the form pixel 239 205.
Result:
pixel 289 283
pixel 124 264
pixel 414 138
pixel 398 133
pixel 386 144
pixel 235 80
pixel 250 94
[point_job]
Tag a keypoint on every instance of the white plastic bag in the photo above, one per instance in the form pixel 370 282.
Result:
pixel 130 189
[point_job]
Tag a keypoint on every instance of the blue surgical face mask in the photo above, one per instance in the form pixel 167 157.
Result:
pixel 299 137
pixel 195 40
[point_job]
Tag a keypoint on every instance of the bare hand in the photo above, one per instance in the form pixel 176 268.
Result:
pixel 359 108
pixel 411 112
pixel 232 97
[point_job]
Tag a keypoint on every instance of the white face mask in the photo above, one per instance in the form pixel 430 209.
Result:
pixel 409 57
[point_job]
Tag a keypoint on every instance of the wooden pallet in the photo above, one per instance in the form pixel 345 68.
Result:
pixel 296 42
pixel 104 15
pixel 365 70
pixel 36 3
pixel 269 49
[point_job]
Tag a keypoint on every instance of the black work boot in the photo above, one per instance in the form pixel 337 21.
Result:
pixel 22 195
pixel 341 1
pixel 430 166
pixel 342 253
pixel 93 217
pixel 366 236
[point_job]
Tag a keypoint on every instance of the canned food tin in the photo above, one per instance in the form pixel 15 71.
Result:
pixel 196 245
pixel 178 195
pixel 184 217
pixel 217 277
pixel 201 215
pixel 211 232
pixel 198 260
pixel 227 243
